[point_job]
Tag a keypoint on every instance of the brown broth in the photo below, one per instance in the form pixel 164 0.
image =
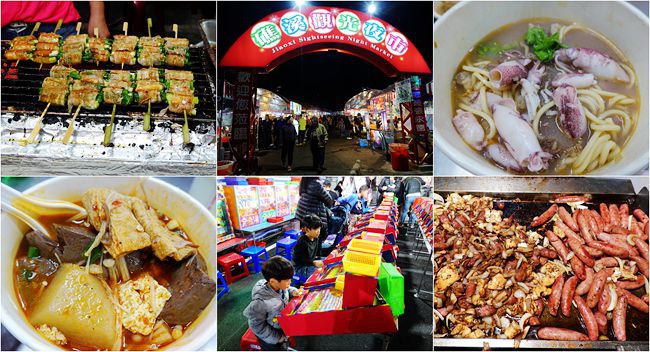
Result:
pixel 550 130
pixel 161 271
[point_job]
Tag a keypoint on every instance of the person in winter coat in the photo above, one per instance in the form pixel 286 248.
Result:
pixel 305 253
pixel 412 189
pixel 289 142
pixel 269 297
pixel 317 137
pixel 314 199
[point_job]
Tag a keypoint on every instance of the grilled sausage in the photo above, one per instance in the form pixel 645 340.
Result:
pixel 571 199
pixel 633 300
pixel 568 232
pixel 603 301
pixel 556 294
pixel 618 320
pixel 579 268
pixel 580 252
pixel 642 246
pixel 596 289
pixel 587 317
pixel 614 215
pixel 595 252
pixel 585 228
pixel 585 285
pixel 610 249
pixel 566 217
pixel 551 333
pixel 604 213
pixel 546 216
pixel 624 211
pixel 640 215
pixel 568 291
pixel 548 253
pixel 557 243
pixel 601 320
pixel 631 285
pixel 598 219
pixel 607 262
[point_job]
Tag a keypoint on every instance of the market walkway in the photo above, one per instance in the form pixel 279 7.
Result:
pixel 340 156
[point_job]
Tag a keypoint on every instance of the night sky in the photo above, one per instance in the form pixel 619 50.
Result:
pixel 326 80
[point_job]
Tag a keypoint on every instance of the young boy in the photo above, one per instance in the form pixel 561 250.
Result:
pixel 355 203
pixel 269 297
pixel 305 253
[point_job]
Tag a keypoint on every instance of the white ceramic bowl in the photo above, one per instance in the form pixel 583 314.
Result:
pixel 467 23
pixel 199 224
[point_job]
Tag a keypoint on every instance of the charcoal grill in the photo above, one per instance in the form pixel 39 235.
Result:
pixel 134 151
pixel 525 198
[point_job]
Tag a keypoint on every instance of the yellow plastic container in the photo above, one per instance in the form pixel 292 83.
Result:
pixel 365 246
pixel 361 263
pixel 340 282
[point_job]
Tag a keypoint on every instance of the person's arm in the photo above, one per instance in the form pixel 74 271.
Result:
pixel 97 19
pixel 325 135
pixel 324 196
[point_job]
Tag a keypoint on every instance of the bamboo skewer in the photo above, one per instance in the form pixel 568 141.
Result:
pixel 96 32
pixel 78 27
pixel 37 127
pixel 149 26
pixel 175 29
pixel 109 129
pixel 68 132
pixel 36 27
pixel 125 28
pixel 186 130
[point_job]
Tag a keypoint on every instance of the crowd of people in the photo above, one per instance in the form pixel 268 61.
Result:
pixel 285 133
pixel 325 207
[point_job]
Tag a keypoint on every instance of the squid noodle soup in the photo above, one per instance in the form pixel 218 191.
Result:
pixel 123 277
pixel 544 96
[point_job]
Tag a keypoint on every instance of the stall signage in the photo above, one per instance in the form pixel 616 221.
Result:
pixel 243 107
pixel 285 31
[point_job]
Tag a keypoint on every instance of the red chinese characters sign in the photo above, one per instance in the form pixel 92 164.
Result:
pixel 285 34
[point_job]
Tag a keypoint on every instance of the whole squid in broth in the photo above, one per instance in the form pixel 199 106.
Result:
pixel 593 61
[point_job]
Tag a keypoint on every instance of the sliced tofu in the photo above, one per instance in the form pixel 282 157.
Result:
pixel 125 234
pixel 141 301
pixel 93 200
pixel 164 242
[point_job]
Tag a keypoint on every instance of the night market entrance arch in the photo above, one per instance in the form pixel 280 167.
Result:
pixel 284 35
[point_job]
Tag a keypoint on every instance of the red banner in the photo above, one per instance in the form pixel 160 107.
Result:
pixel 285 34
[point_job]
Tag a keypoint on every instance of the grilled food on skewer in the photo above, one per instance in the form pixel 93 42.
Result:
pixel 150 51
pixel 47 48
pixel 119 88
pixel 149 89
pixel 95 77
pixel 85 94
pixel 100 49
pixel 22 48
pixel 74 49
pixel 180 91
pixel 64 72
pixel 54 91
pixel 177 51
pixel 124 49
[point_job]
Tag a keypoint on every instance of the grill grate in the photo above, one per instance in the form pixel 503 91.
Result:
pixel 20 90
pixel 160 151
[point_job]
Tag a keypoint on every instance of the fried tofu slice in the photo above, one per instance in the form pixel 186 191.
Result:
pixel 164 242
pixel 125 233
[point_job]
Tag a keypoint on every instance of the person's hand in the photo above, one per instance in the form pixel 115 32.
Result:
pixel 318 263
pixel 299 292
pixel 384 188
pixel 98 20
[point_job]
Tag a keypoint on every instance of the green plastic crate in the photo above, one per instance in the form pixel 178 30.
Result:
pixel 391 286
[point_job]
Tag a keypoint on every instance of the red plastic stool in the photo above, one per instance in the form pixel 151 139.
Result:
pixel 230 261
pixel 249 342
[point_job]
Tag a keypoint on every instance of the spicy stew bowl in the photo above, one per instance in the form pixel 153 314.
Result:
pixel 465 24
pixel 193 217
